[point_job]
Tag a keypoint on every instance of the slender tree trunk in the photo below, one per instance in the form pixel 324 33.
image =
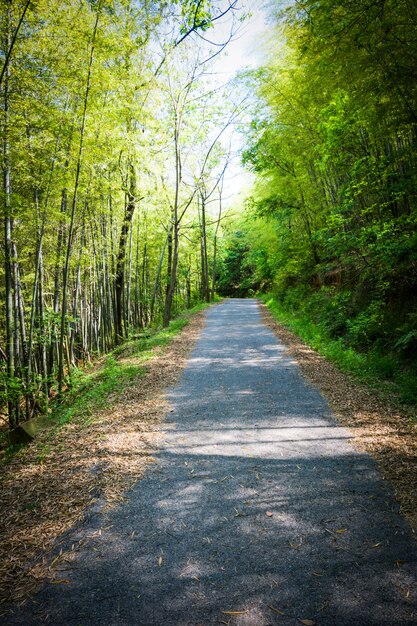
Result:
pixel 73 212
pixel 34 305
pixel 129 284
pixel 44 366
pixel 145 277
pixel 136 308
pixel 11 40
pixel 8 243
pixel 173 262
pixel 158 274
pixel 205 287
pixel 121 254
pixel 74 327
pixel 57 283
pixel 173 277
pixel 214 268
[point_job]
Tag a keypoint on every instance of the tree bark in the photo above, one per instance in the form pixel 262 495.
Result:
pixel 73 213
pixel 8 243
pixel 121 254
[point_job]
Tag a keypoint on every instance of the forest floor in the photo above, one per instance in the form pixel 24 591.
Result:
pixel 93 459
pixel 258 510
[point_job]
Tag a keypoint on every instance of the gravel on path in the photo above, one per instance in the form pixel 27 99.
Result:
pixel 258 511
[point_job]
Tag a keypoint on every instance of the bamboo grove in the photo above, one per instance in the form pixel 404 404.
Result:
pixel 113 161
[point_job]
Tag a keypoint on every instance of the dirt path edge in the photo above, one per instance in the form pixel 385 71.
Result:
pixel 48 489
pixel 378 428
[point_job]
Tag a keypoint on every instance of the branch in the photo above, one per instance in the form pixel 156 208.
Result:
pixel 10 50
pixel 194 28
pixel 204 23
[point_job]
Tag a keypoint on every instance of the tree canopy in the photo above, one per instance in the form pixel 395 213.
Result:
pixel 332 143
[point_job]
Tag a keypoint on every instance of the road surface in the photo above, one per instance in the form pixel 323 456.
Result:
pixel 258 511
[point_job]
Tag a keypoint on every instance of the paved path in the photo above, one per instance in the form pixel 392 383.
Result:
pixel 247 436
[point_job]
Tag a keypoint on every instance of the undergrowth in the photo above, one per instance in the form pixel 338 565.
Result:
pixel 92 388
pixel 95 387
pixel 383 371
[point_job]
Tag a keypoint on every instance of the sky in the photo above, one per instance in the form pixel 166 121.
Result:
pixel 245 51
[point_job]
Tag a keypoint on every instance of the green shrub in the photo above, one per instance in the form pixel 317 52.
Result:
pixel 362 350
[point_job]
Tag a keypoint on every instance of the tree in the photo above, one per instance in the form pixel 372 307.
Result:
pixel 91 220
pixel 334 151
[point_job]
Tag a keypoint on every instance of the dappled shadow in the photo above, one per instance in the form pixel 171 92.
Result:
pixel 195 539
pixel 257 500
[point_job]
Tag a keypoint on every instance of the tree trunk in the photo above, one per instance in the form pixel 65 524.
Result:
pixel 173 261
pixel 205 288
pixel 129 284
pixel 214 268
pixel 158 274
pixel 8 243
pixel 73 212
pixel 173 277
pixel 121 254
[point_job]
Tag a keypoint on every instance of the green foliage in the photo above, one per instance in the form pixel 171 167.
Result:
pixel 11 387
pixel 93 389
pixel 106 128
pixel 333 146
pixel 196 15
pixel 301 312
pixel 234 268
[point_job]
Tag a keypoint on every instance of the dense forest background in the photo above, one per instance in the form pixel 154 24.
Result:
pixel 330 228
pixel 116 139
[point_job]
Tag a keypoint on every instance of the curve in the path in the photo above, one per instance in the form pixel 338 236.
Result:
pixel 258 511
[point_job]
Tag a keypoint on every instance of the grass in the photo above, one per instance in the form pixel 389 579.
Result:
pixel 94 388
pixel 380 371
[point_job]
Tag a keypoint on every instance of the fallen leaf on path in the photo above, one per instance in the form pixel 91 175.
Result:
pixel 60 581
pixel 341 530
pixel 233 612
pixel 161 558
pixel 308 622
pixel 269 513
pixel 376 545
pixel 275 610
pixel 318 574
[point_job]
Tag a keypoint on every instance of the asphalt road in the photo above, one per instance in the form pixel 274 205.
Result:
pixel 258 511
